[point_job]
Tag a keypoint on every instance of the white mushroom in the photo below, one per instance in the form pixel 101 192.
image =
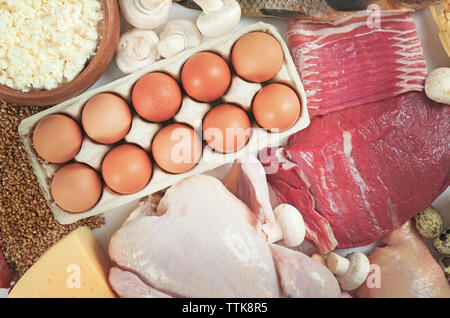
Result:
pixel 437 85
pixel 290 226
pixel 351 272
pixel 218 17
pixel 136 49
pixel 145 14
pixel 178 35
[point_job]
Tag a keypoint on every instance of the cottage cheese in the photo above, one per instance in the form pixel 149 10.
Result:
pixel 45 43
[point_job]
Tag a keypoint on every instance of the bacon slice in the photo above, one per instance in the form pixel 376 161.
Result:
pixel 354 62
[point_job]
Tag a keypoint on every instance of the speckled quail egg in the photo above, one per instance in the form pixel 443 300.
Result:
pixel 444 261
pixel 429 223
pixel 442 242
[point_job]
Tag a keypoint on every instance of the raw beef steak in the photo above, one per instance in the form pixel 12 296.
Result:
pixel 367 169
pixel 357 61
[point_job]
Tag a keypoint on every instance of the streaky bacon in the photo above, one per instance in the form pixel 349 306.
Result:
pixel 353 63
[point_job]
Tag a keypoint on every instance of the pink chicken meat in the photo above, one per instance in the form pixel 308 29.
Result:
pixel 365 170
pixel 205 242
pixel 357 60
pixel 407 268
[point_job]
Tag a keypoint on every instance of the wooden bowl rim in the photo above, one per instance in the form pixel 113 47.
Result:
pixel 88 76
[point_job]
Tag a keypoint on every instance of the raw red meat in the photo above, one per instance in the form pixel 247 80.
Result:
pixel 5 273
pixel 290 188
pixel 369 169
pixel 354 62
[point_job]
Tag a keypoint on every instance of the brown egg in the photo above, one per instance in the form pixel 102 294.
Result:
pixel 257 57
pixel 106 118
pixel 126 169
pixel 156 97
pixel 226 128
pixel 177 148
pixel 57 138
pixel 276 107
pixel 205 76
pixel 76 187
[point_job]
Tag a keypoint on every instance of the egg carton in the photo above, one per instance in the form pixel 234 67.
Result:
pixel 141 133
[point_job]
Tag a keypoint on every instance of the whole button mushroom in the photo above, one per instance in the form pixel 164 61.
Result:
pixel 218 17
pixel 177 36
pixel 437 85
pixel 136 49
pixel 145 14
pixel 351 271
pixel 290 227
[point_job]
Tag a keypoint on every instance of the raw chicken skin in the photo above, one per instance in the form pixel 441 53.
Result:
pixel 407 268
pixel 129 285
pixel 206 243
pixel 302 277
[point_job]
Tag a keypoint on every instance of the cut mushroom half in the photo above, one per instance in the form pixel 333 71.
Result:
pixel 351 271
pixel 137 48
pixel 218 17
pixel 289 228
pixel 145 14
pixel 177 36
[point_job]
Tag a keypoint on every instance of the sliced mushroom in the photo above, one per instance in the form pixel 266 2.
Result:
pixel 178 35
pixel 351 271
pixel 289 227
pixel 218 17
pixel 145 14
pixel 137 48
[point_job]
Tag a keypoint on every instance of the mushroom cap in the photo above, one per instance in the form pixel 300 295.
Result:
pixel 437 85
pixel 221 21
pixel 357 272
pixel 136 14
pixel 292 223
pixel 137 48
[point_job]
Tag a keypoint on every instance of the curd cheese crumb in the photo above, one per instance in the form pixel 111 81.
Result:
pixel 46 43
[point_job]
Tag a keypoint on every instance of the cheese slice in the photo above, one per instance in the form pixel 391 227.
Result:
pixel 75 267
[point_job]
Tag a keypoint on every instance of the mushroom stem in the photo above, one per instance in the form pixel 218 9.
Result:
pixel 209 5
pixel 172 45
pixel 337 264
pixel 138 48
pixel 178 35
pixel 351 271
pixel 274 233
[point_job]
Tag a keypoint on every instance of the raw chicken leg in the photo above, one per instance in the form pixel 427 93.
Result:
pixel 302 277
pixel 206 243
pixel 407 268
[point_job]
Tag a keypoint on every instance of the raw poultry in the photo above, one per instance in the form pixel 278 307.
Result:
pixel 217 249
pixel 407 268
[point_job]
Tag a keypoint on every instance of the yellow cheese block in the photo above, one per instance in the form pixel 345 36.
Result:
pixel 76 266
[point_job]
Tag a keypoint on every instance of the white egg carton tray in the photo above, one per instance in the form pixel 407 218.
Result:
pixel 191 112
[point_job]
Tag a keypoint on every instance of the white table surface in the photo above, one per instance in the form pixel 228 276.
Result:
pixel 433 52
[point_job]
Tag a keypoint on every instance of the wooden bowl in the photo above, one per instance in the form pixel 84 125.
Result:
pixel 92 72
